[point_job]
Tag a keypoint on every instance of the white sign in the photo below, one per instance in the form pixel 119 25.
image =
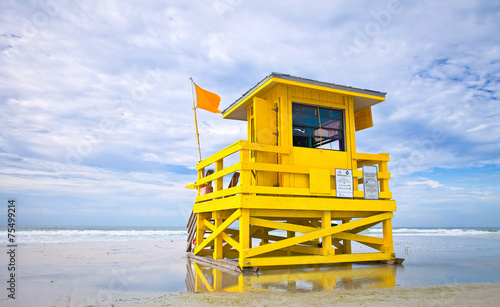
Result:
pixel 343 183
pixel 370 182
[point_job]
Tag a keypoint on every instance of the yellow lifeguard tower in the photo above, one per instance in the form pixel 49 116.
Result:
pixel 298 199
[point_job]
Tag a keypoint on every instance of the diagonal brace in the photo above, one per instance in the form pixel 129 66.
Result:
pixel 236 215
pixel 314 235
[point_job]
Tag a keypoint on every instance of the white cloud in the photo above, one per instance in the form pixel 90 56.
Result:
pixel 480 127
pixel 425 181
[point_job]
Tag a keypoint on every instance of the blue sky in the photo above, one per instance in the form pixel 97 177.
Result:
pixel 96 125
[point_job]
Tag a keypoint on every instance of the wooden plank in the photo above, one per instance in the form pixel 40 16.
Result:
pixel 314 235
pixel 219 194
pixel 286 213
pixel 209 225
pixel 278 238
pixel 218 174
pixel 220 155
pixel 298 192
pixel 191 219
pixel 281 168
pixel 231 241
pixel 337 244
pixel 191 236
pixel 372 157
pixel 304 249
pixel 280 225
pixel 301 260
pixel 282 191
pixel 214 234
pixel 359 238
pixel 224 265
pixel 316 203
pixel 378 247
pixel 219 204
pixel 346 208
pixel 265 147
pixel 365 227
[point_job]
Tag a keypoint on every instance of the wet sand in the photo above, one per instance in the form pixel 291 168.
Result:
pixel 156 273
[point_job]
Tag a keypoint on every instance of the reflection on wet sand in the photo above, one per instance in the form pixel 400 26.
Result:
pixel 202 278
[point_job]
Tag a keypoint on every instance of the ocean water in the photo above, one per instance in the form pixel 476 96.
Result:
pixel 449 232
pixel 47 234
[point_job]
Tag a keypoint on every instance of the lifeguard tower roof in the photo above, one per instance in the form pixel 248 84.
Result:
pixel 362 98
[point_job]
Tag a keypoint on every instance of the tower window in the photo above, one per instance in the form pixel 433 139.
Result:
pixel 318 127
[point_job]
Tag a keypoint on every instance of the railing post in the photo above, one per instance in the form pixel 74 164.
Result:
pixel 201 174
pixel 290 234
pixel 355 180
pixel 245 176
pixel 384 183
pixel 219 182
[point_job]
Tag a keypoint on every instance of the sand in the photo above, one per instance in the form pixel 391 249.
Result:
pixel 475 294
pixel 154 273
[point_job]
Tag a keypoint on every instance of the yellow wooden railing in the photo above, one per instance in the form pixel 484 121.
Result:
pixel 245 166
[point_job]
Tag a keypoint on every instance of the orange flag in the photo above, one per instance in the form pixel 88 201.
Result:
pixel 207 100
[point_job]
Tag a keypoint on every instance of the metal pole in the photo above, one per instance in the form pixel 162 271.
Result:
pixel 195 119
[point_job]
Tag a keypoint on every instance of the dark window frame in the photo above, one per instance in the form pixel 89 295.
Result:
pixel 304 134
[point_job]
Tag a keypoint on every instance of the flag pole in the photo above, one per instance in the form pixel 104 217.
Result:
pixel 195 119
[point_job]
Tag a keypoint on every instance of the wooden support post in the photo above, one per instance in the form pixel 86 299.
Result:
pixel 244 235
pixel 326 222
pixel 265 236
pixel 289 234
pixel 347 243
pixel 388 242
pixel 200 233
pixel 218 251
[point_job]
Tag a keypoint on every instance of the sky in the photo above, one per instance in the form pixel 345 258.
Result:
pixel 96 119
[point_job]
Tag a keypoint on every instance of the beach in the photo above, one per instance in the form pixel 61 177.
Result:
pixel 438 271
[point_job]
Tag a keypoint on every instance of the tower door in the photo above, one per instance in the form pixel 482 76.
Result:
pixel 265 131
